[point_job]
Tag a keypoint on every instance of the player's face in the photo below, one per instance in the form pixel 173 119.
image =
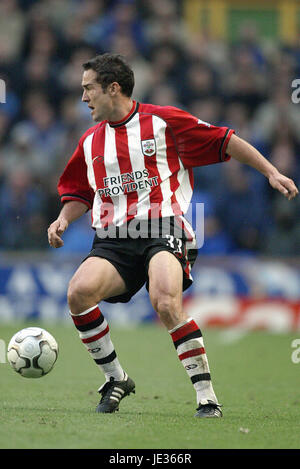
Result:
pixel 99 102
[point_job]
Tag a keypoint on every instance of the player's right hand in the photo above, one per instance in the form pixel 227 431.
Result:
pixel 284 185
pixel 55 231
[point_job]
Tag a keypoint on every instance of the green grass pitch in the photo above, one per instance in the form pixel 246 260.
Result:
pixel 254 378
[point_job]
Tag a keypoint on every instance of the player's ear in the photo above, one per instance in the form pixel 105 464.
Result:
pixel 114 88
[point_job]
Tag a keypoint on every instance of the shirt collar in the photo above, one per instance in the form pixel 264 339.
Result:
pixel 127 118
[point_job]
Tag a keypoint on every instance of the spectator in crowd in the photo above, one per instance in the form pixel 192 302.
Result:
pixel 122 19
pixel 5 121
pixel 125 45
pixel 267 120
pixel 22 206
pixel 200 82
pixel 12 29
pixel 283 238
pixel 45 129
pixel 240 209
pixel 245 85
pixel 216 240
pixel 20 152
pixel 71 73
pixel 167 64
pixel 164 95
pixel 163 22
pixel 39 74
pixel 283 235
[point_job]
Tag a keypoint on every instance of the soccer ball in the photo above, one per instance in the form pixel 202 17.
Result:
pixel 32 352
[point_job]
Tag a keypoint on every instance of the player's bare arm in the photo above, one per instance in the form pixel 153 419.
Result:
pixel 246 153
pixel 70 212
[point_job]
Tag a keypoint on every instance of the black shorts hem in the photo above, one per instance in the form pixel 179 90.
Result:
pixel 131 259
pixel 125 297
pixel 186 281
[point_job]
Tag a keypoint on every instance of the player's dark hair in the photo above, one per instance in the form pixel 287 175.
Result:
pixel 110 68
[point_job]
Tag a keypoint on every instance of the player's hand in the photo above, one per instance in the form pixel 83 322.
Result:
pixel 284 185
pixel 55 231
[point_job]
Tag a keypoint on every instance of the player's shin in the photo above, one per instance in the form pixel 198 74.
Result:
pixel 94 333
pixel 188 341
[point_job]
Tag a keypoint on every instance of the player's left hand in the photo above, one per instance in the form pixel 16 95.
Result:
pixel 284 185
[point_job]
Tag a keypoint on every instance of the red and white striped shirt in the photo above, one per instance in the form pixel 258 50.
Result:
pixel 141 167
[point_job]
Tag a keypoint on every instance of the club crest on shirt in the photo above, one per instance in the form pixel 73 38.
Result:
pixel 148 147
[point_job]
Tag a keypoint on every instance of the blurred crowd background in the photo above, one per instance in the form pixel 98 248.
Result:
pixel 245 83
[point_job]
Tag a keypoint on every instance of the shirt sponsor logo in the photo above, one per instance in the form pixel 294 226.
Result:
pixel 127 182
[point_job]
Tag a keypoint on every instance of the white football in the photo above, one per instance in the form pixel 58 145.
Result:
pixel 32 352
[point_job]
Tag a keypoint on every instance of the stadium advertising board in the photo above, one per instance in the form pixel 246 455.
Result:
pixel 246 293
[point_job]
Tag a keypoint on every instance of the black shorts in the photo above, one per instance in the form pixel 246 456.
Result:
pixel 131 258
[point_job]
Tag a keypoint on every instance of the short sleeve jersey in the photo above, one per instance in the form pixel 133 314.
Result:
pixel 141 167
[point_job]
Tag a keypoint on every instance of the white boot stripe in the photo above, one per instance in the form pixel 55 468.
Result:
pixel 117 394
pixel 114 398
pixel 119 390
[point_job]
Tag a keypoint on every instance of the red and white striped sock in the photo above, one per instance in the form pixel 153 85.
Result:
pixel 188 342
pixel 94 333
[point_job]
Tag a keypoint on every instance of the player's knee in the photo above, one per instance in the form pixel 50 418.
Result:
pixel 168 305
pixel 76 294
pixel 165 303
pixel 80 294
